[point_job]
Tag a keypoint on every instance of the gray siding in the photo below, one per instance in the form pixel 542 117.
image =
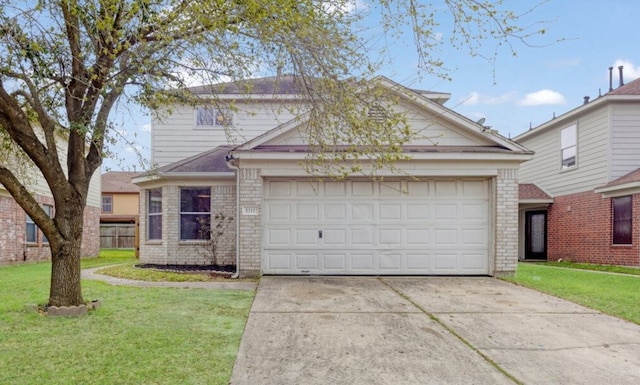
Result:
pixel 176 136
pixel 592 156
pixel 625 140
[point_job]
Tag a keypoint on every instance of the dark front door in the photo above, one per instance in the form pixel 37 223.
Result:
pixel 535 242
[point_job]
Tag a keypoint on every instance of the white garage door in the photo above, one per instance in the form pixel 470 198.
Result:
pixel 402 227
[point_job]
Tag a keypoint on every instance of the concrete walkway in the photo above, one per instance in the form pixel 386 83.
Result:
pixel 334 330
pixel 220 285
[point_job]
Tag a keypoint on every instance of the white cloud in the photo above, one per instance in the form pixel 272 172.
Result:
pixel 541 98
pixel 630 72
pixel 475 98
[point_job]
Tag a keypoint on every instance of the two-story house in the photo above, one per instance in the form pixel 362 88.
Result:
pixel 580 195
pixel 119 213
pixel 20 238
pixel 450 208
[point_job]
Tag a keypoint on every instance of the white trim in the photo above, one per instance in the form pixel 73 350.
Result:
pixel 619 190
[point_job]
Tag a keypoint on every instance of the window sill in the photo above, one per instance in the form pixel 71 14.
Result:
pixel 192 242
pixel 32 244
pixel 622 245
pixel 153 242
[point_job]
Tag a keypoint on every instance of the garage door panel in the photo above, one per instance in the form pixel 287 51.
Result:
pixel 445 237
pixel 275 237
pixel 278 212
pixel 362 212
pixel 335 211
pixel 444 212
pixel 362 261
pixel 390 262
pixel 418 211
pixel 335 237
pixel 418 237
pixel 306 237
pixel 474 237
pixel 419 262
pixel 307 212
pixel 306 188
pixel 335 262
pixel 362 237
pixel 391 236
pixel 364 227
pixel 307 261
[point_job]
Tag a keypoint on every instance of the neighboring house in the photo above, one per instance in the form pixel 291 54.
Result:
pixel 20 238
pixel 580 195
pixel 452 210
pixel 119 215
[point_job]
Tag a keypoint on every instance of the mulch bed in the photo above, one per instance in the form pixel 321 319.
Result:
pixel 212 269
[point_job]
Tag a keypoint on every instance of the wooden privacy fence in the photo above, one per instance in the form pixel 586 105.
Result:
pixel 117 236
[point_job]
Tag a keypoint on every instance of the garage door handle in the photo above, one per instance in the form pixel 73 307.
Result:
pixel 320 234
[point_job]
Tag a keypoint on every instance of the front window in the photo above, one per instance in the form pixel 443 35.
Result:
pixel 49 210
pixel 195 213
pixel 31 230
pixel 154 214
pixel 568 147
pixel 107 204
pixel 622 220
pixel 212 116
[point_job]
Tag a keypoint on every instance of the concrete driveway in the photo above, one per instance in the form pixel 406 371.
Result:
pixel 426 330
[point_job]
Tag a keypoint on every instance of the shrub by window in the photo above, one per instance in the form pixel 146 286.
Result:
pixel 622 220
pixel 154 214
pixel 195 213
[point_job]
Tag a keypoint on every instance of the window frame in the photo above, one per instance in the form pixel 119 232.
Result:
pixel 110 197
pixel 29 222
pixel 212 117
pixel 49 210
pixel 154 215
pixel 571 145
pixel 196 231
pixel 622 220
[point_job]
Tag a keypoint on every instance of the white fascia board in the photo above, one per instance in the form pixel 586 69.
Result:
pixel 164 176
pixel 620 190
pixel 414 156
pixel 535 201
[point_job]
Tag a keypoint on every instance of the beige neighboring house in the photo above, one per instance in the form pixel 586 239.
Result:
pixel 20 238
pixel 453 210
pixel 120 207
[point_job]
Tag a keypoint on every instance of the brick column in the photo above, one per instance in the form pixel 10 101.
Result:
pixel 506 222
pixel 250 243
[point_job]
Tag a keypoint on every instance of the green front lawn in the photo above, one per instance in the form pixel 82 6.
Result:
pixel 617 295
pixel 138 336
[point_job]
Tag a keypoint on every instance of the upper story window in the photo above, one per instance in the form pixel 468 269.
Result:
pixel 622 220
pixel 568 146
pixel 214 117
pixel 107 204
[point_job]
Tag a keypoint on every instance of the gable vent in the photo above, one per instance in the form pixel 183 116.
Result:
pixel 377 113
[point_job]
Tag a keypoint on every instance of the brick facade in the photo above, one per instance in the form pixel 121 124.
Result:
pixel 171 250
pixel 506 222
pixel 14 248
pixel 250 225
pixel 580 230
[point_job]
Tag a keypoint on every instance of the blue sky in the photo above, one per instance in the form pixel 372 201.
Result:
pixel 527 89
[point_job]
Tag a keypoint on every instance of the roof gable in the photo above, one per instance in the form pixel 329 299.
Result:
pixel 435 124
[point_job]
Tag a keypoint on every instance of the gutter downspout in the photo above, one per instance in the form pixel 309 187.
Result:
pixel 229 158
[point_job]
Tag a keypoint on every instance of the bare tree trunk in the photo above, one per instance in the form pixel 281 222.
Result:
pixel 65 289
